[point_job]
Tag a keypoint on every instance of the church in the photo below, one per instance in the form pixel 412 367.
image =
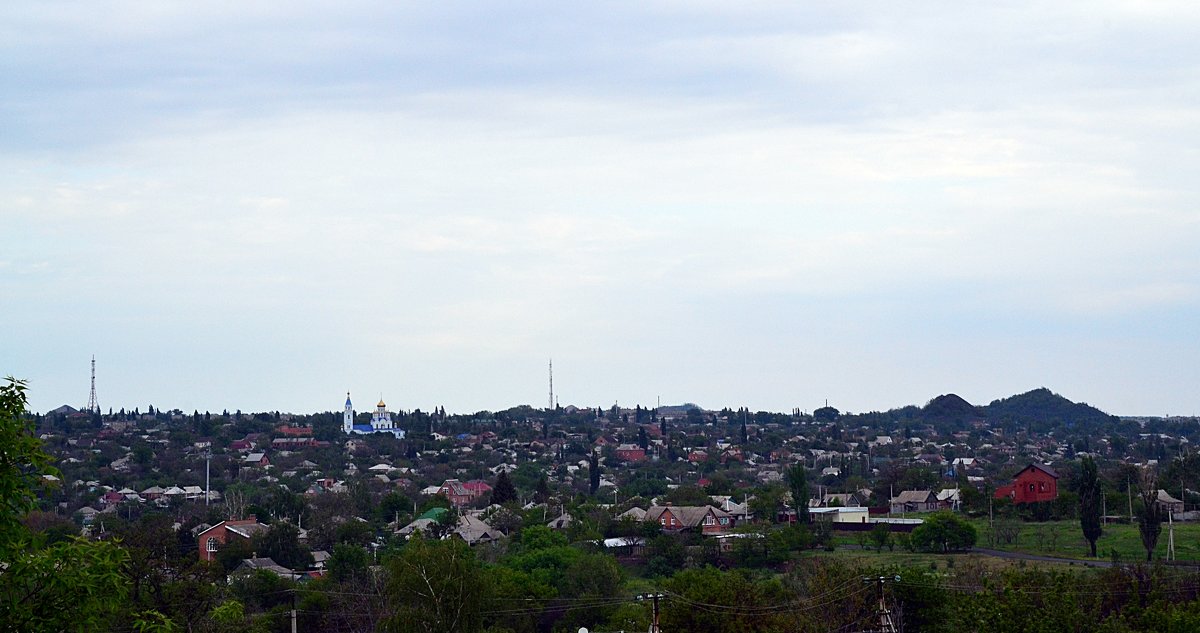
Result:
pixel 381 421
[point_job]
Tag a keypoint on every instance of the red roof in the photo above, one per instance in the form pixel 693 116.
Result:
pixel 1046 469
pixel 477 485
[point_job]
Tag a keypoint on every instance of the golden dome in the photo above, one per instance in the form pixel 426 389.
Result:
pixel 381 405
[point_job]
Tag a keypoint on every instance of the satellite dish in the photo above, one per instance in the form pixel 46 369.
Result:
pixel 583 629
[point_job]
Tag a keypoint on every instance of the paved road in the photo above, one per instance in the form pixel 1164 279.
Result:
pixel 1046 559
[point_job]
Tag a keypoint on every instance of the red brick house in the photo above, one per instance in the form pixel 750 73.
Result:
pixel 211 539
pixel 295 431
pixel 1035 483
pixel 256 460
pixel 631 453
pixel 478 488
pixel 704 519
pixel 460 494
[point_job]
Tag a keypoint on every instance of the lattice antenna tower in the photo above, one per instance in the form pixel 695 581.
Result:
pixel 551 408
pixel 92 405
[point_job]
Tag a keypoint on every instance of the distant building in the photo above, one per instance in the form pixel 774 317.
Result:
pixel 1035 483
pixel 914 501
pixel 631 453
pixel 1168 503
pixel 381 421
pixel 211 539
pixel 704 519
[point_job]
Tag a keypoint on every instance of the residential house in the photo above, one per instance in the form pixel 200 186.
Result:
pixel 563 522
pixel 256 460
pixel 1035 483
pixel 474 530
pixel 631 453
pixel 1168 503
pixel 478 488
pixel 250 565
pixel 211 539
pixel 914 501
pixel 949 499
pixel 839 514
pixel 844 499
pixel 454 491
pixel 704 519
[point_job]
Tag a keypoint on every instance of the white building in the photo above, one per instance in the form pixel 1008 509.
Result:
pixel 381 421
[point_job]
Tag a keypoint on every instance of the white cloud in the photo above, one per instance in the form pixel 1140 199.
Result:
pixel 410 183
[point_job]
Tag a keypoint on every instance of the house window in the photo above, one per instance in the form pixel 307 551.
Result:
pixel 724 521
pixel 211 544
pixel 708 520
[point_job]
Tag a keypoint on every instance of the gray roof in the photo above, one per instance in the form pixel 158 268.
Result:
pixel 915 496
pixel 473 530
pixel 688 516
pixel 252 564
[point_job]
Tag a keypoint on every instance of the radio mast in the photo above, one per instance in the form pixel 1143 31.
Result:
pixel 551 408
pixel 92 405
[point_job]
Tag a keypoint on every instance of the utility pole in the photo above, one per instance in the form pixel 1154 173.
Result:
pixel 1170 535
pixel 293 611
pixel 1129 491
pixel 655 597
pixel 886 624
pixel 207 484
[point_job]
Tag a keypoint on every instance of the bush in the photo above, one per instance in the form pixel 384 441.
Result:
pixel 944 532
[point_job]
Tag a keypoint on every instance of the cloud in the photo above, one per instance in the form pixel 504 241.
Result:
pixel 410 182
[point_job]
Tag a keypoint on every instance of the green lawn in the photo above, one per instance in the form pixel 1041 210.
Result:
pixel 870 559
pixel 1065 539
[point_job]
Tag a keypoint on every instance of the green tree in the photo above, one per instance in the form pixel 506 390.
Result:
pixel 73 585
pixel 1090 496
pixel 436 587
pixel 797 481
pixel 347 562
pixel 944 532
pixel 504 491
pixel 541 494
pixel 593 472
pixel 281 543
pixel 593 582
pixel 881 536
pixel 1149 518
pixel 732 602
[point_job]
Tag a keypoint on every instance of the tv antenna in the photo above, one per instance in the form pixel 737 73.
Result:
pixel 551 408
pixel 92 405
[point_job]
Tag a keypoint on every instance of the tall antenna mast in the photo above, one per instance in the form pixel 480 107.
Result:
pixel 92 404
pixel 551 408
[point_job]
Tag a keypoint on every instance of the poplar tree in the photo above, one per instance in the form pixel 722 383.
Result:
pixel 1090 495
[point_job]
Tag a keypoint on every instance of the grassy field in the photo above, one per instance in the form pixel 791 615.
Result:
pixel 1065 539
pixel 934 562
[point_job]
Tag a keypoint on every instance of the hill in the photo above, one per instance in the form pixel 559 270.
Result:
pixel 949 406
pixel 1044 409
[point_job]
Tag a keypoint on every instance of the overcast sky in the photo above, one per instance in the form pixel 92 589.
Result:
pixel 264 205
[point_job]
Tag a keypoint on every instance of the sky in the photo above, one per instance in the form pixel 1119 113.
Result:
pixel 262 206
